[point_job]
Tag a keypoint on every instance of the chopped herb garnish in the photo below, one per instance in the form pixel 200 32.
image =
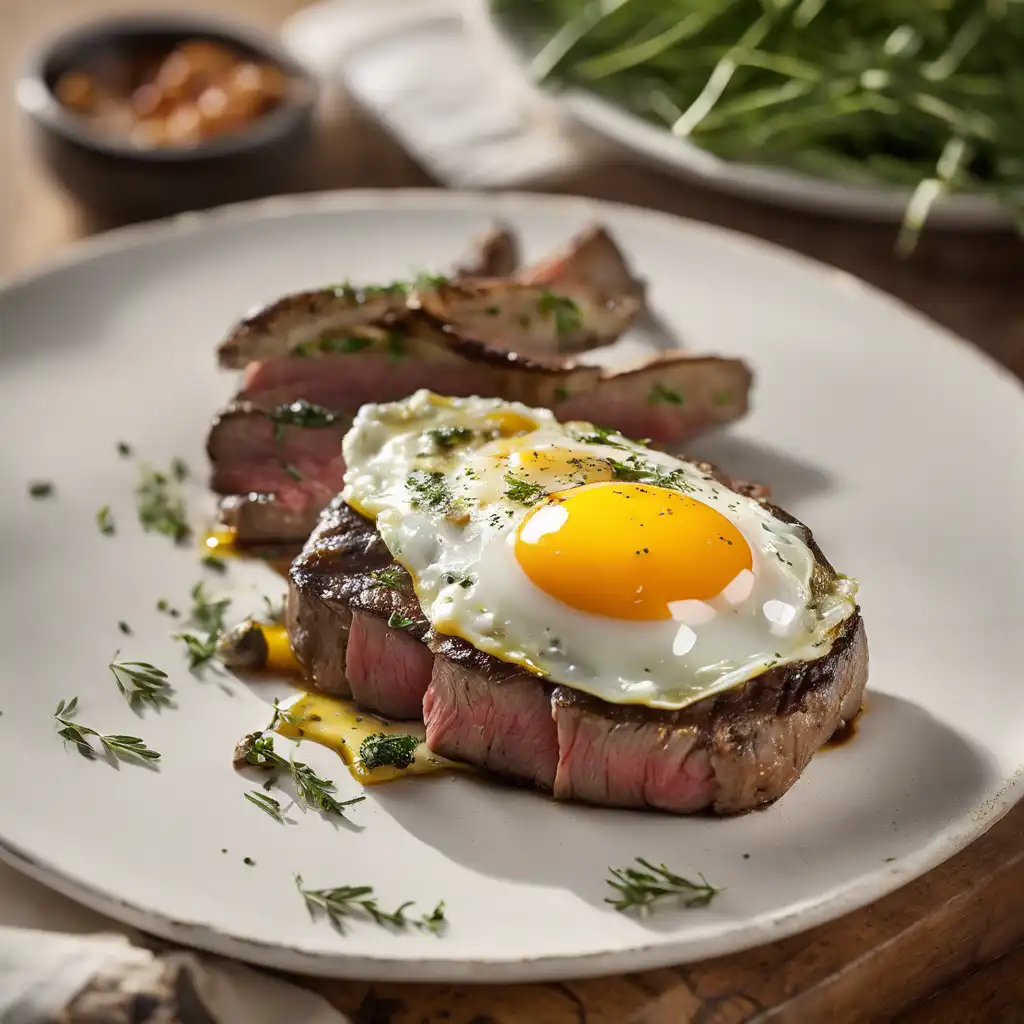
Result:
pixel 265 803
pixel 115 744
pixel 349 901
pixel 124 449
pixel 568 317
pixel 179 469
pixel 430 489
pixel 160 505
pixel 258 751
pixel 301 413
pixel 492 311
pixel 561 394
pixel 524 320
pixel 41 489
pixel 661 394
pixel 347 345
pixel 125 628
pixel 249 862
pixel 207 617
pixel 105 521
pixel 162 605
pixel 463 581
pixel 395 345
pixel 602 435
pixel 446 438
pixel 383 748
pixel 214 563
pixel 522 490
pixel 393 576
pixel 293 471
pixel 399 621
pixel 643 888
pixel 141 683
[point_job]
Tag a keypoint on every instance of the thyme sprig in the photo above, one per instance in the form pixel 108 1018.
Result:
pixel 347 901
pixel 206 620
pixel 117 745
pixel 641 889
pixel 159 502
pixel 265 803
pixel 141 683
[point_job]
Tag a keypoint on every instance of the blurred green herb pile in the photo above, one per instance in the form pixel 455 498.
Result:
pixel 926 94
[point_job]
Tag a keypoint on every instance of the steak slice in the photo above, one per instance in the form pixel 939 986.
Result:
pixel 732 752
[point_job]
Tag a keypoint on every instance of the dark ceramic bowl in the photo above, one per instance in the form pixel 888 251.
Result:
pixel 117 181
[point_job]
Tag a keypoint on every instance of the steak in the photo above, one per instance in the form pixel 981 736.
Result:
pixel 358 630
pixel 672 397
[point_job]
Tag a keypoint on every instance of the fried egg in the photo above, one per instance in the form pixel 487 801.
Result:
pixel 584 557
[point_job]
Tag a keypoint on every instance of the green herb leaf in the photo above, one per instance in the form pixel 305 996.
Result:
pixel 399 621
pixel 642 887
pixel 444 439
pixel 568 317
pixel 661 394
pixel 117 745
pixel 124 449
pixel 41 489
pixel 522 491
pixel 160 506
pixel 141 683
pixel 301 413
pixel 105 521
pixel 384 748
pixel 393 576
pixel 347 901
pixel 265 803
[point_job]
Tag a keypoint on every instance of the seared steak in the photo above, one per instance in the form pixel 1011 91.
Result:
pixel 358 630
pixel 670 398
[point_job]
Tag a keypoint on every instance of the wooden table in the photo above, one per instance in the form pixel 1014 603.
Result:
pixel 947 949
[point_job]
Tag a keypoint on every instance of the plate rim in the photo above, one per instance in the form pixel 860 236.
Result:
pixel 826 906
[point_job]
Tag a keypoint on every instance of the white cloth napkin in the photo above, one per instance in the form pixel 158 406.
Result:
pixel 51 949
pixel 449 98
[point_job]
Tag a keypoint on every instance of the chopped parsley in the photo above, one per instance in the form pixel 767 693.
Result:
pixel 160 506
pixel 125 628
pixel 40 489
pixel 431 489
pixel 568 317
pixel 660 394
pixel 124 449
pixel 383 748
pixel 463 581
pixel 561 394
pixel 640 470
pixel 347 345
pixel 522 490
pixel 214 563
pixel 395 345
pixel 105 521
pixel 399 621
pixel 301 413
pixel 393 576
pixel 602 435
pixel 446 438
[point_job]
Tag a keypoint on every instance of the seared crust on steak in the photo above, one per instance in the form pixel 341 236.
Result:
pixel 732 752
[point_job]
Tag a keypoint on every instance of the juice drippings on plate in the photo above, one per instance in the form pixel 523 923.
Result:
pixel 846 732
pixel 342 726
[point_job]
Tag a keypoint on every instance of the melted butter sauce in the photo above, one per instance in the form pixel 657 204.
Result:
pixel 330 721
pixel 342 726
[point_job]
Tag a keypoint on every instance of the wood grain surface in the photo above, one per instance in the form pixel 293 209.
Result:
pixel 946 949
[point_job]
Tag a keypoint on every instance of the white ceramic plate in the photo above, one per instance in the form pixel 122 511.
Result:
pixel 756 181
pixel 893 439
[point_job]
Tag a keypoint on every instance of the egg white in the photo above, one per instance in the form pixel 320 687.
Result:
pixel 440 498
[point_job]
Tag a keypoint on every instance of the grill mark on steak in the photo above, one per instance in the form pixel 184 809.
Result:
pixel 732 752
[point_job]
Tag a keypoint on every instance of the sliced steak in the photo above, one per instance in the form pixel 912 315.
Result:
pixel 489 714
pixel 591 258
pixel 261 520
pixel 732 752
pixel 494 254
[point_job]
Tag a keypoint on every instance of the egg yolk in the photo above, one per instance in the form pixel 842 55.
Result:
pixel 629 550
pixel 509 423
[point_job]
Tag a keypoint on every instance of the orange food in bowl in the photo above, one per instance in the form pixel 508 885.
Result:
pixel 197 91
